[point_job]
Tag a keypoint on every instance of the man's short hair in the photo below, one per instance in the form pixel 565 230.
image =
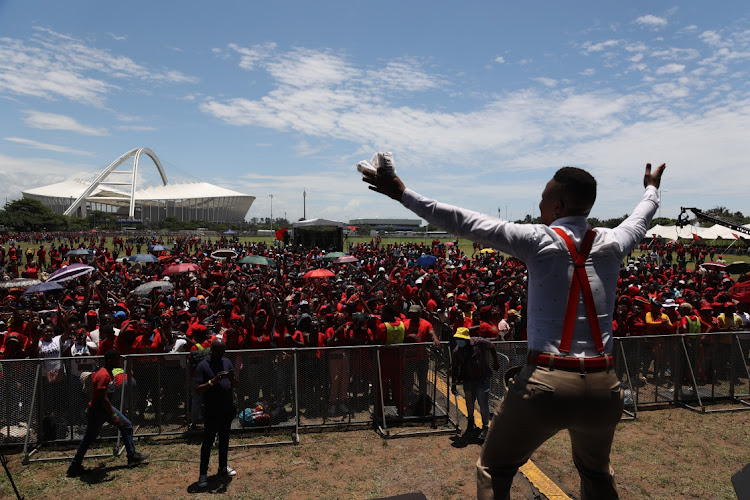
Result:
pixel 111 354
pixel 578 183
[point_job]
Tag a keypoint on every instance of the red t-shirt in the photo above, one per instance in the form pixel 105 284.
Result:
pixel 488 330
pixel 100 380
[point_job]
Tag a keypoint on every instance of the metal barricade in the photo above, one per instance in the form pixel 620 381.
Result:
pixel 336 385
pixel 43 401
pixel 267 395
pixel 18 380
pixel 412 386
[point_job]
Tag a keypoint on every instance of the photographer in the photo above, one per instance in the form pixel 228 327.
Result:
pixel 215 380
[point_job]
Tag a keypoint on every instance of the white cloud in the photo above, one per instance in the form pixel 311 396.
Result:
pixel 19 174
pixel 711 38
pixel 249 57
pixel 651 21
pixel 119 38
pixel 679 54
pixel 670 90
pixel 670 68
pixel 598 47
pixel 51 121
pixel 636 58
pixel 137 128
pixel 500 59
pixel 48 147
pixel 588 72
pixel 547 82
pixel 51 65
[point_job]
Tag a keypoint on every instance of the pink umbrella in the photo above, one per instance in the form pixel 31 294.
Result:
pixel 181 268
pixel 346 259
pixel 319 273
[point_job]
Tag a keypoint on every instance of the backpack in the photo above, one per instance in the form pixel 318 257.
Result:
pixel 254 417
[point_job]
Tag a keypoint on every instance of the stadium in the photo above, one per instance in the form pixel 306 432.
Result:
pixel 124 190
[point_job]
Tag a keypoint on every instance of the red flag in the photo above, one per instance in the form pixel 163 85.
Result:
pixel 736 235
pixel 280 234
pixel 696 237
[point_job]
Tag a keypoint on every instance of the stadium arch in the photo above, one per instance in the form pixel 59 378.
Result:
pixel 117 191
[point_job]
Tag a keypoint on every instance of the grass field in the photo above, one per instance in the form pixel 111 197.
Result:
pixel 666 454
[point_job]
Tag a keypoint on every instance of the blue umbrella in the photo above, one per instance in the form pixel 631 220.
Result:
pixel 143 257
pixel 47 286
pixel 426 260
pixel 159 248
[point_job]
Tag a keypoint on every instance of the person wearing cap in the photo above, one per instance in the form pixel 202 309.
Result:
pixel 418 330
pixel 559 254
pixel 471 368
pixel 99 411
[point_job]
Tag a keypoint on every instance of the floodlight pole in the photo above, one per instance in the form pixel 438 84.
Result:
pixel 271 211
pixel 304 204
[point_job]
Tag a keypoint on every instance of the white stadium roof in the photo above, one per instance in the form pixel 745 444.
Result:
pixel 74 188
pixel 120 187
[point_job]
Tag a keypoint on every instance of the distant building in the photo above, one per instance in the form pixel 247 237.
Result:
pixel 388 224
pixel 116 191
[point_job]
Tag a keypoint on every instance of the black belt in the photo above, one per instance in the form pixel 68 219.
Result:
pixel 570 364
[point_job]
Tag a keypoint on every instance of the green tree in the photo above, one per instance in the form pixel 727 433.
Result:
pixel 28 214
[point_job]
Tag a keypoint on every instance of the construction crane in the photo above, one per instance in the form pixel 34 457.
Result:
pixel 683 219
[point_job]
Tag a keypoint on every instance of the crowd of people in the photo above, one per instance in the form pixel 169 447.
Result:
pixel 275 306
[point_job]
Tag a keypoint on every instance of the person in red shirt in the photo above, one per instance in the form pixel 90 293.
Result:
pixel 418 330
pixel 100 410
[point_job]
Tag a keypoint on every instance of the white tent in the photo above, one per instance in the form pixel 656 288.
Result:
pixel 705 233
pixel 317 222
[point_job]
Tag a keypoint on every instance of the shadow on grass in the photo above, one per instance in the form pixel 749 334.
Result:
pixel 101 474
pixel 216 484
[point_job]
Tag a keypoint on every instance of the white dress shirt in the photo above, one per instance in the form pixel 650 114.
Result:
pixel 550 265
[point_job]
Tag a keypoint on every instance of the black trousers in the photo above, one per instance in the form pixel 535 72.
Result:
pixel 216 423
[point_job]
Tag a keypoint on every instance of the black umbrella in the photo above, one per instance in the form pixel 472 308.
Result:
pixel 738 268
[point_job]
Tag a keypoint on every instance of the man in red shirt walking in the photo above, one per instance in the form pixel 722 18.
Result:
pixel 100 410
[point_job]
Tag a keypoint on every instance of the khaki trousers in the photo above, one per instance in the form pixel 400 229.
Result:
pixel 539 403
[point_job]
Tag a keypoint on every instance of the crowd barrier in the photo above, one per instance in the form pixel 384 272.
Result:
pixel 400 390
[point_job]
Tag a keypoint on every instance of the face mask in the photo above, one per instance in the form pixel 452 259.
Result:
pixel 460 342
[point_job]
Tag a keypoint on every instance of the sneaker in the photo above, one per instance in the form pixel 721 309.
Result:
pixel 76 470
pixel 483 434
pixel 202 481
pixel 137 459
pixel 227 472
pixel 344 409
pixel 470 430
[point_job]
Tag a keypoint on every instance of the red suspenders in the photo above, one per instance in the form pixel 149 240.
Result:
pixel 579 284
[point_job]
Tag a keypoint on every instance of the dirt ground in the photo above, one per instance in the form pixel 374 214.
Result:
pixel 672 453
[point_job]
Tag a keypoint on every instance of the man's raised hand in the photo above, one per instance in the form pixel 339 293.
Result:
pixel 389 186
pixel 654 179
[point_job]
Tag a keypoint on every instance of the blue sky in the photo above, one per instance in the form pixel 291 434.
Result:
pixel 480 102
